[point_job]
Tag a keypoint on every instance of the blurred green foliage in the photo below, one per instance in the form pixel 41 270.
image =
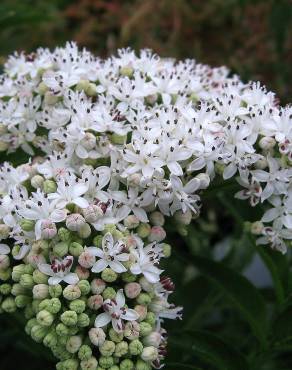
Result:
pixel 229 322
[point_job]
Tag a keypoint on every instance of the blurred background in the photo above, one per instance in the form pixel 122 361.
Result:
pixel 254 39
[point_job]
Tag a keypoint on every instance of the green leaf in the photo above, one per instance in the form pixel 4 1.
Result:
pixel 241 293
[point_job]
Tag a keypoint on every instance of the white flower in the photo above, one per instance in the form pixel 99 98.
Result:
pixel 116 312
pixel 274 236
pixel 69 190
pixel 59 270
pixel 110 255
pixel 146 259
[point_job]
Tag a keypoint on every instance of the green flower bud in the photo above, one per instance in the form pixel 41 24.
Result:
pixel 109 228
pixel 84 352
pixel 27 225
pixel 5 274
pixel 64 234
pixel 90 364
pixel 73 344
pixel 42 88
pixel 28 312
pixel 75 249
pixel 115 367
pixel 97 286
pixel 55 290
pixel 144 230
pixel 62 330
pixel 26 281
pixel 4 231
pixel 52 305
pixel 128 277
pixel 17 289
pixel 96 336
pixel 84 286
pixel 29 269
pixel 127 71
pixel 97 241
pixel 109 275
pixel 145 328
pixel 40 246
pixel 35 305
pixel 61 249
pixel 150 318
pixel 83 320
pixel 126 365
pixel 106 362
pixel 51 339
pixel 91 90
pixel 157 219
pixel 114 336
pixel 49 186
pixel 61 353
pixel 40 291
pixel 22 300
pixel 29 325
pixel 144 299
pixel 135 347
pixel 39 277
pixel 37 181
pixel 72 292
pixel 84 231
pixel 69 364
pixel 38 333
pixel 166 248
pixel 69 318
pixel 107 348
pixel 141 365
pixel 8 305
pixel 121 349
pixel 78 306
pixel 149 354
pixel 82 85
pixel 45 318
pixel 5 289
pixel 109 293
pixel 95 302
pixel 4 261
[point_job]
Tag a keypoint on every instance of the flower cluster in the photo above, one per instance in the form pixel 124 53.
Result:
pixel 116 145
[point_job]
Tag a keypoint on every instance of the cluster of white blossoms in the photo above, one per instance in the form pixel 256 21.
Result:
pixel 116 145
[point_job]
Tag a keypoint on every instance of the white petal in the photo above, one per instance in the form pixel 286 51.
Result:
pixel 22 252
pixel 141 214
pixel 120 298
pixel 117 266
pixel 175 168
pixel 99 266
pixel 229 171
pixel 270 215
pixel 102 320
pixel 58 215
pixel 45 269
pixel 71 278
pixel 54 280
pixel 4 249
pixel 130 315
pixel 81 202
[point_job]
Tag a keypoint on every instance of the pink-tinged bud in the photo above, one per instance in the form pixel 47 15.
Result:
pixel 49 229
pixel 35 259
pixel 142 311
pixel 267 143
pixel 89 141
pixel 157 234
pixel 86 259
pixel 131 222
pixel 183 218
pixel 96 336
pixel 97 286
pixel 75 221
pixel 4 262
pixel 92 213
pixel 95 302
pixel 82 273
pixel 130 241
pixel 132 290
pixel 157 218
pixel 135 179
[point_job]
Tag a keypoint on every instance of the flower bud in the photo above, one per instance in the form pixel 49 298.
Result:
pixel 61 249
pixel 3 146
pixel 166 250
pixel 114 336
pixel 131 222
pixel 121 349
pixel 84 352
pixel 91 89
pixel 73 344
pixel 5 274
pixel 51 339
pixel 82 85
pixel 64 234
pixel 109 293
pixel 106 362
pixel 92 213
pixel 75 249
pixel 109 275
pixel 82 273
pixel 26 281
pixel 4 231
pixel 183 218
pixel 145 328
pixel 69 364
pixel 141 365
pixel 72 292
pixel 127 71
pixel 69 318
pixel 88 141
pixel 204 180
pixel 128 277
pixel 86 259
pixel 17 289
pixel 132 330
pixel 84 286
pixel 144 230
pixel 144 299
pixel 39 277
pixel 107 348
pixel 38 333
pixel 29 325
pixel 78 306
pixel 40 291
pixel 62 330
pixel 54 305
pixel 90 364
pixel 157 219
pixel 37 181
pixel 135 347
pixel 85 231
pixel 157 234
pixel 39 246
pixel 8 305
pixel 97 241
pixel 127 365
pixel 257 228
pixel 95 302
pixel 35 259
pixel 4 261
pixel 149 354
pixel 75 221
pixel 5 289
pixel 83 320
pixel 142 311
pixel 22 301
pixel 27 225
pixel 261 164
pixel 48 229
pixel 132 290
pixel 96 336
pixel 267 143
pixel 97 286
pixel 45 318
pixel 55 290
pixel 49 186
pixel 153 339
